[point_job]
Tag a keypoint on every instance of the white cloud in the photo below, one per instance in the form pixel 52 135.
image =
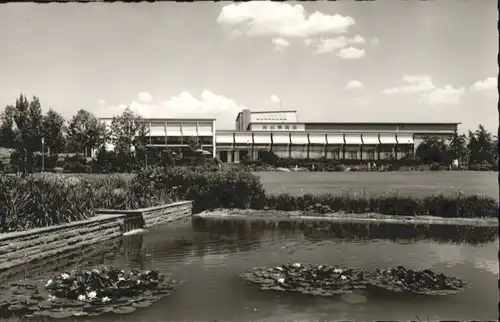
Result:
pixel 351 53
pixel 414 84
pixel 443 96
pixel 274 99
pixel 331 44
pixel 280 43
pixel 489 83
pixel 374 41
pixel 354 84
pixel 261 18
pixel 144 97
pixel 209 105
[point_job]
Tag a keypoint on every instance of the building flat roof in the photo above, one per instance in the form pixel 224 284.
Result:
pixel 382 123
pixel 167 119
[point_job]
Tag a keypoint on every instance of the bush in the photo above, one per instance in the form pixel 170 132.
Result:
pixel 208 190
pixel 30 202
pixel 397 205
pixel 114 192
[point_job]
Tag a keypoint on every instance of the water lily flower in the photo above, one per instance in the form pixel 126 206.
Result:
pixel 278 268
pixel 337 271
pixel 343 277
pixel 65 276
pixel 49 282
pixel 91 294
pixel 105 299
pixel 281 280
pixel 121 278
pixel 51 298
pixel 296 265
pixel 138 281
pixel 96 271
pixel 82 297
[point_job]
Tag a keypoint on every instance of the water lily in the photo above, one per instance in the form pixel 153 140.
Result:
pixel 121 278
pixel 138 281
pixel 82 297
pixel 281 280
pixel 278 268
pixel 95 271
pixel 343 277
pixel 49 282
pixel 105 299
pixel 296 265
pixel 65 276
pixel 91 294
pixel 337 271
pixel 51 298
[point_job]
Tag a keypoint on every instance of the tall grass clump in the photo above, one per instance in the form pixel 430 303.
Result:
pixel 32 202
pixel 115 192
pixel 208 190
pixel 456 206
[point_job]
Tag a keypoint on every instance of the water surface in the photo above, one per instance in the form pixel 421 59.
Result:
pixel 210 257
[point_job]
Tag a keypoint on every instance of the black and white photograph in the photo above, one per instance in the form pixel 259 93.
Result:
pixel 249 161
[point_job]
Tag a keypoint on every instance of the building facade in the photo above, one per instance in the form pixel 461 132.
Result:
pixel 282 133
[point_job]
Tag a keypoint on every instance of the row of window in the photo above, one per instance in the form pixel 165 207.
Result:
pixel 279 127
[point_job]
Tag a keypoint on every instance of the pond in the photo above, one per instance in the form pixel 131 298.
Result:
pixel 209 256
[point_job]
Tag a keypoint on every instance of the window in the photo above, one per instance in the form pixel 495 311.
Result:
pixel 279 127
pixel 264 127
pixel 353 155
pixel 272 127
pixel 294 127
pixel 287 127
pixel 371 155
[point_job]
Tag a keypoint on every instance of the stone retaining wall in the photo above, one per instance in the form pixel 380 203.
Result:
pixel 154 216
pixel 19 248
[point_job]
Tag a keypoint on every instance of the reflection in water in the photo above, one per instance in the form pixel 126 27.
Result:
pixel 346 231
pixel 209 257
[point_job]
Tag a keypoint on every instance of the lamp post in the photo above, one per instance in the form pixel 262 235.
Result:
pixel 43 154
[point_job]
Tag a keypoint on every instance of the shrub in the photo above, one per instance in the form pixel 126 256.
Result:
pixel 30 202
pixel 390 204
pixel 208 190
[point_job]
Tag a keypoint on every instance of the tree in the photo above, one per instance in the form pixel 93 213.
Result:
pixel 433 150
pixel 28 120
pixel 129 134
pixel 479 146
pixel 8 132
pixel 53 131
pixel 458 147
pixel 85 132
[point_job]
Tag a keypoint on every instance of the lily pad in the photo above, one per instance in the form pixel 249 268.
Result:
pixel 124 310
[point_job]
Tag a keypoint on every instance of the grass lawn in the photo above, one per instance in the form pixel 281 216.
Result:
pixel 415 183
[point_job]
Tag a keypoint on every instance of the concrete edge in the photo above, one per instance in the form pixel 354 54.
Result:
pixel 142 210
pixel 355 219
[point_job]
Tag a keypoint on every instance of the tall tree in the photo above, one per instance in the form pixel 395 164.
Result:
pixel 129 132
pixel 28 120
pixel 433 150
pixel 479 146
pixel 53 131
pixel 85 132
pixel 8 131
pixel 458 147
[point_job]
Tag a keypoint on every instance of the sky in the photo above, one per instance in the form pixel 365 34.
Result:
pixel 344 61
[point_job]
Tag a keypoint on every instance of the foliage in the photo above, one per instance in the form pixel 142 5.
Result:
pixel 460 206
pixel 53 129
pixel 480 146
pixel 31 202
pixel 85 132
pixel 8 132
pixel 208 190
pixel 113 192
pixel 433 150
pixel 129 134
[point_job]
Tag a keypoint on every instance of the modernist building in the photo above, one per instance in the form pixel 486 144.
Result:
pixel 280 132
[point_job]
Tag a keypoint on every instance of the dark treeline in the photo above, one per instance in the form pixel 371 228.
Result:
pixel 26 132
